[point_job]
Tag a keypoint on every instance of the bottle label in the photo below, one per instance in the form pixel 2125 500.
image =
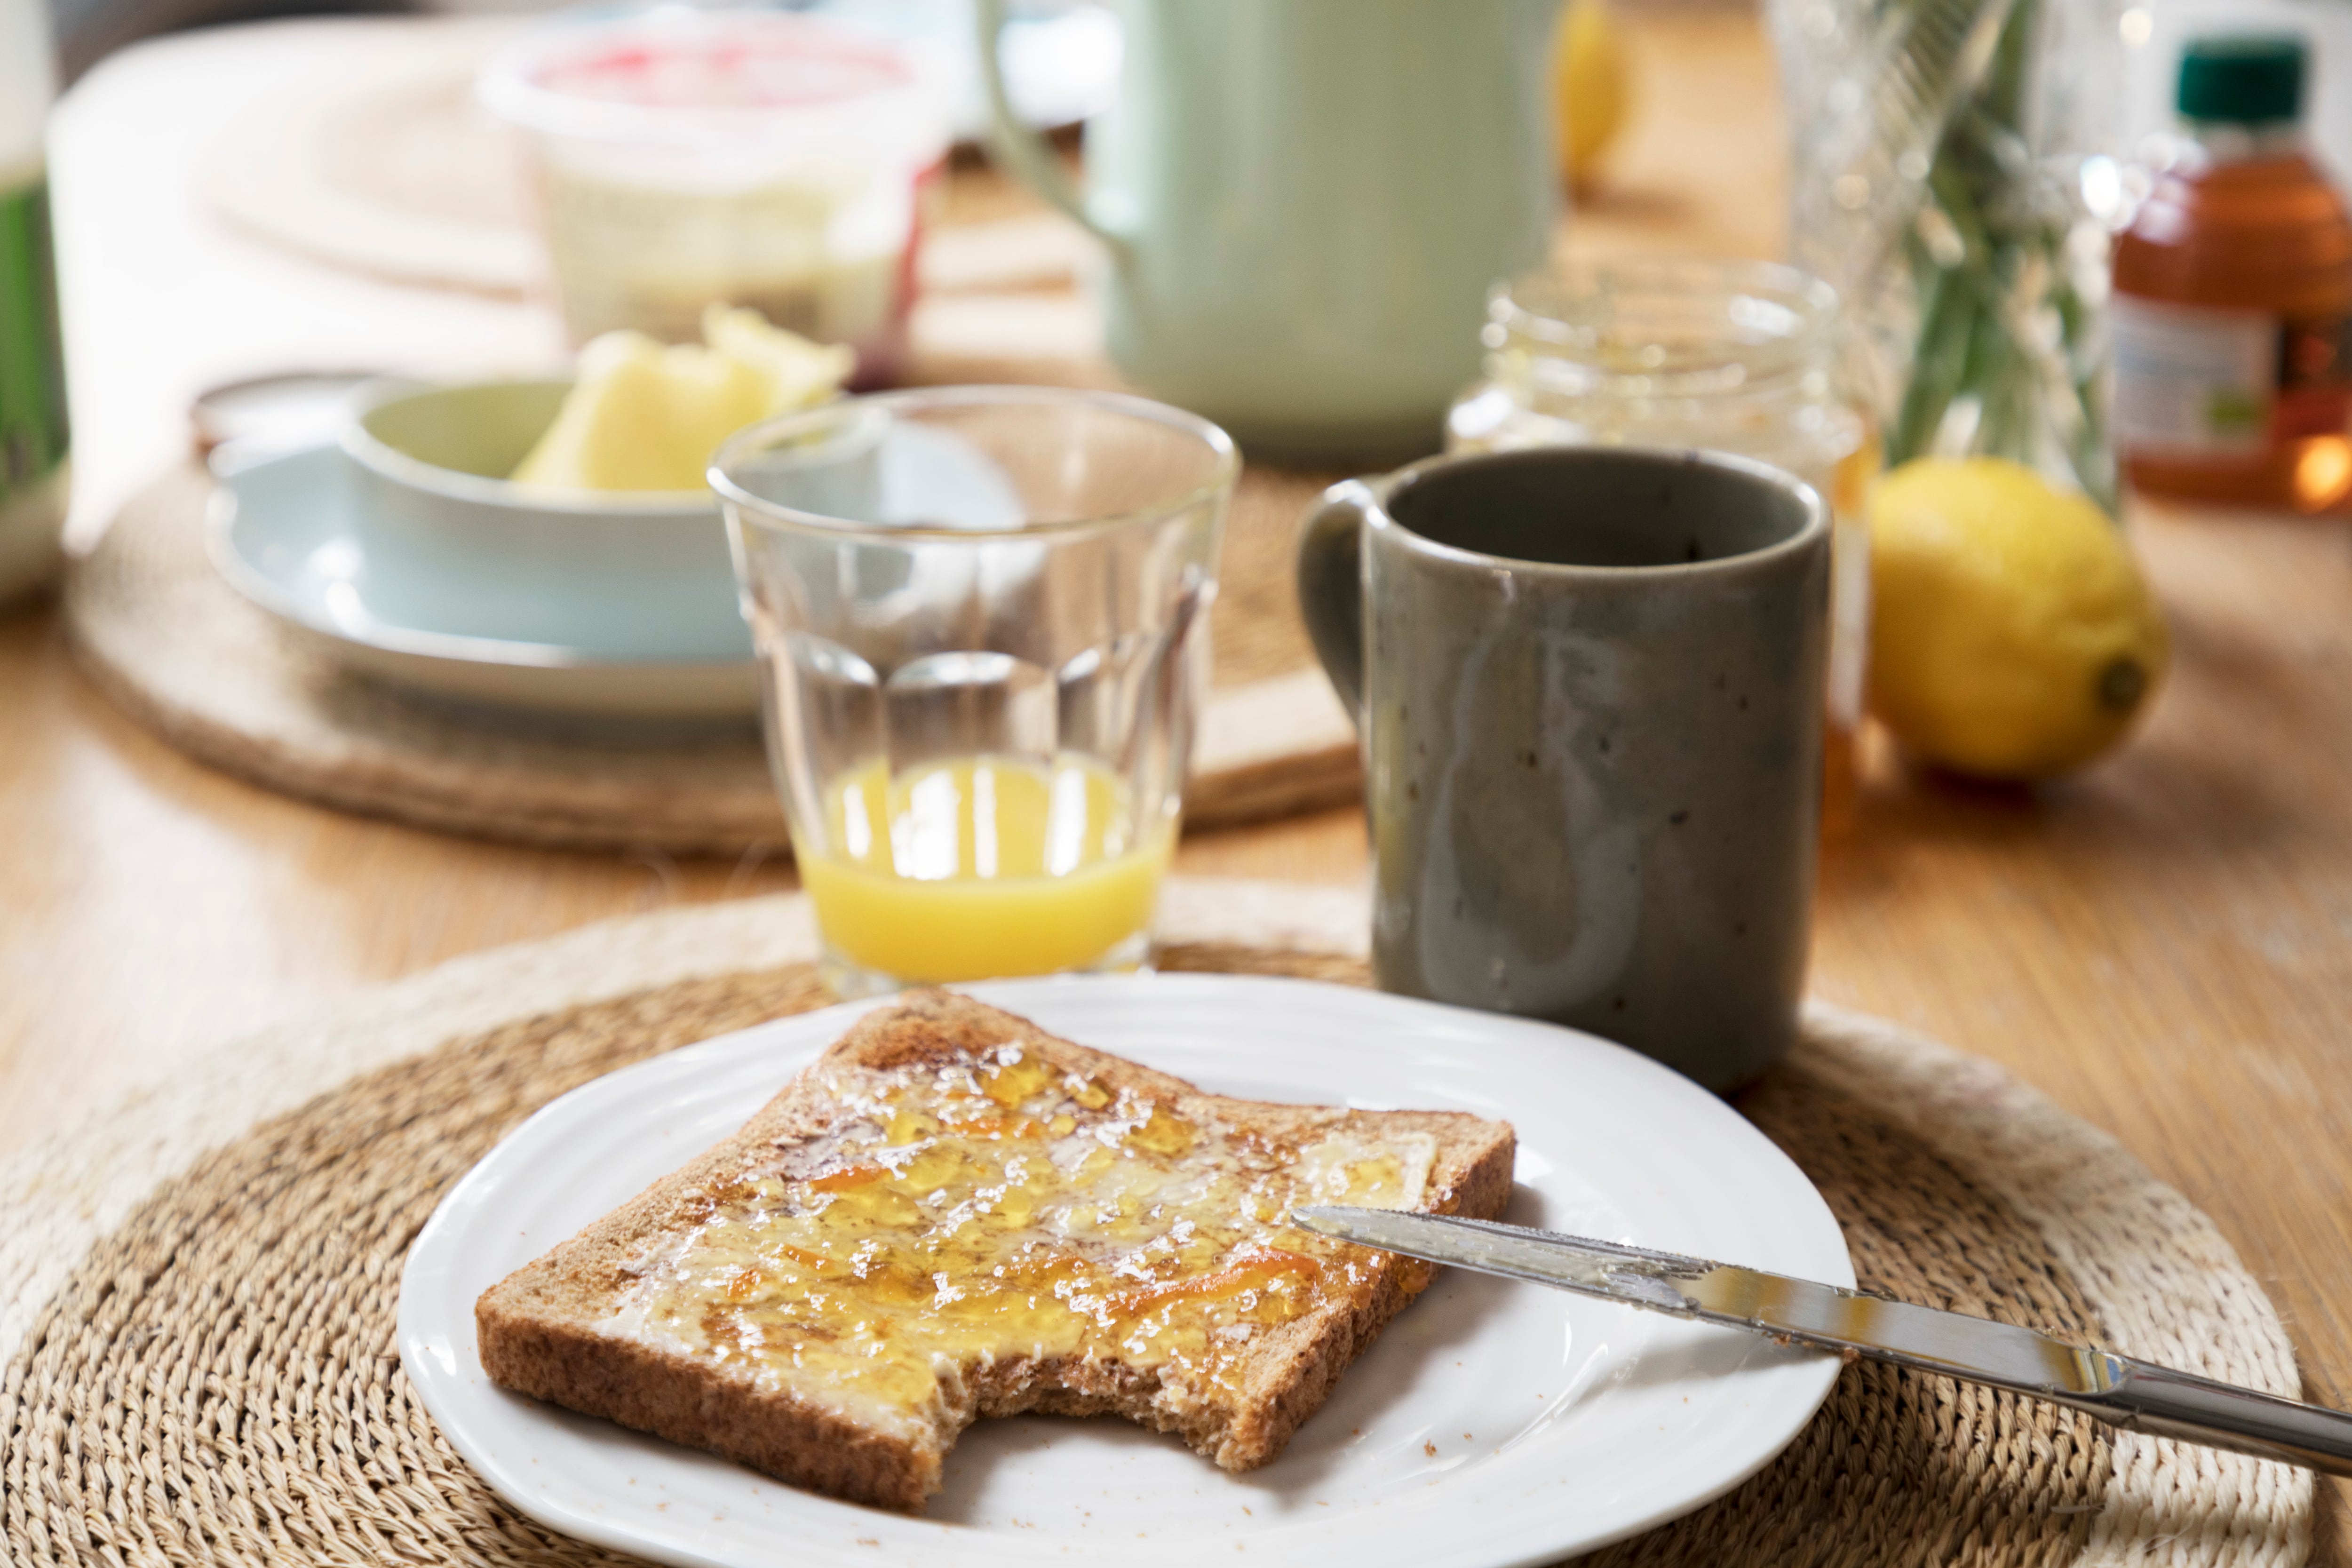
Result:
pixel 33 431
pixel 2314 378
pixel 2192 382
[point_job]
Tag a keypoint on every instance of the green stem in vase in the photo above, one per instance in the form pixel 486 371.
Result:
pixel 1999 364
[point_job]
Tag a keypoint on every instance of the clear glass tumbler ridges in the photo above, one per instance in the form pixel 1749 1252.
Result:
pixel 982 614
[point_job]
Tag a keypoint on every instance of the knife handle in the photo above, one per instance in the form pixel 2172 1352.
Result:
pixel 2144 1398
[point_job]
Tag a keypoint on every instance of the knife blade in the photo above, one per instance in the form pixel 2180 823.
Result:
pixel 2118 1389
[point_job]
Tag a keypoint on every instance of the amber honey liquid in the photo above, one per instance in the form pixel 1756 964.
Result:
pixel 2234 334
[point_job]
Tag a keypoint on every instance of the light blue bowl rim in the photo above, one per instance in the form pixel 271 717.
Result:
pixel 390 463
pixel 229 462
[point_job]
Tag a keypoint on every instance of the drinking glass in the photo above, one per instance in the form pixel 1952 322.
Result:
pixel 982 617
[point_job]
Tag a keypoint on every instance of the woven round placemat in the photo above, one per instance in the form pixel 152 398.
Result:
pixel 152 623
pixel 397 174
pixel 197 1290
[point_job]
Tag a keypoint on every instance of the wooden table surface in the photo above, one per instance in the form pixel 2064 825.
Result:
pixel 2163 944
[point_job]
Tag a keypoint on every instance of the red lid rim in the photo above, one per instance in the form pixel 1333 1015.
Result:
pixel 522 85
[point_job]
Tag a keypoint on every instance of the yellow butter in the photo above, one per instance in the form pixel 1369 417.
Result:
pixel 646 415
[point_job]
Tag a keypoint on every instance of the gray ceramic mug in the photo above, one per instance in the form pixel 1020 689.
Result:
pixel 1589 682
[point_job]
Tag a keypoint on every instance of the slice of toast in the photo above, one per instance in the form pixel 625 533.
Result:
pixel 951 1214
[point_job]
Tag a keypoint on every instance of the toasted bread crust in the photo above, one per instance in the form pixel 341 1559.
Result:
pixel 539 1334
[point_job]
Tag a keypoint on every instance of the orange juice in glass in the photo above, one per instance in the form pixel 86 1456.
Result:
pixel 982 617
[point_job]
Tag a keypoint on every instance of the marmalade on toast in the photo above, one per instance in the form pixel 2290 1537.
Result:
pixel 1003 1208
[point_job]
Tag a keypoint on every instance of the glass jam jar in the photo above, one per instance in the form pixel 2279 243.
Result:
pixel 1729 356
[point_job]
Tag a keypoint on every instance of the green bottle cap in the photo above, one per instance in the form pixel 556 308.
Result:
pixel 2242 79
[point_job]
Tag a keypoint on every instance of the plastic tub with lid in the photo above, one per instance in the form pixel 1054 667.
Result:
pixel 674 157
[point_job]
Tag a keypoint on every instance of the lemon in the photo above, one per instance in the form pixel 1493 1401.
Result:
pixel 1588 85
pixel 2012 636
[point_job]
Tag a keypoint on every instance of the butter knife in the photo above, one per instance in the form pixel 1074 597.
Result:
pixel 2118 1389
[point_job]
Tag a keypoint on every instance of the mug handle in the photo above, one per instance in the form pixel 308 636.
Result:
pixel 1026 153
pixel 1332 585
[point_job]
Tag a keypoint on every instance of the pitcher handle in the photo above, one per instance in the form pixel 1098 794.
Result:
pixel 1027 153
pixel 1332 585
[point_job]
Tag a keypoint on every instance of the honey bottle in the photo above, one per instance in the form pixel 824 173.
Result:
pixel 2234 299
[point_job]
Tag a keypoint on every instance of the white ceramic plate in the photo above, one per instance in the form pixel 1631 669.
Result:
pixel 280 534
pixel 1494 1422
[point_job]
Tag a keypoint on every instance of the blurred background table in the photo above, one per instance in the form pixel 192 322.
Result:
pixel 2164 945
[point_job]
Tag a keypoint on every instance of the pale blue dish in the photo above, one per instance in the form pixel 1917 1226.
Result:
pixel 453 546
pixel 454 613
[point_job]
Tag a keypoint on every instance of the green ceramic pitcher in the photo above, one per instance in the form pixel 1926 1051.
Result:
pixel 1305 203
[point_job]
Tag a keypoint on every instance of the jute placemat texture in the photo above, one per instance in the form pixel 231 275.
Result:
pixel 152 624
pixel 198 1289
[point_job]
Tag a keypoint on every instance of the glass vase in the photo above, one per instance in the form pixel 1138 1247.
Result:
pixel 1952 175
